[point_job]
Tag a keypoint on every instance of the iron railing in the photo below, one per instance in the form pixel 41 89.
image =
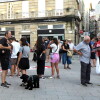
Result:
pixel 33 14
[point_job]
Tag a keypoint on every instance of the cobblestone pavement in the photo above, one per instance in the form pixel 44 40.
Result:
pixel 66 88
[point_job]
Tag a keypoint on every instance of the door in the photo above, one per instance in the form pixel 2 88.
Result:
pixel 27 38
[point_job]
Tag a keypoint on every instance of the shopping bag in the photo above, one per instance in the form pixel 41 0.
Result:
pixel 98 66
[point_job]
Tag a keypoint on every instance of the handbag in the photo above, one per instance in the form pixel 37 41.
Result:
pixel 69 54
pixel 61 51
pixel 35 56
pixel 38 57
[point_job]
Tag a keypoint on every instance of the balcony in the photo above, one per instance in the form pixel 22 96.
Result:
pixel 44 14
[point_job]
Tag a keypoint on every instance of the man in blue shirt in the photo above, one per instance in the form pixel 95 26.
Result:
pixel 83 49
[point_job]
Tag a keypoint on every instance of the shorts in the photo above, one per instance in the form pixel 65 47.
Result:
pixel 93 55
pixel 54 58
pixel 4 63
pixel 13 61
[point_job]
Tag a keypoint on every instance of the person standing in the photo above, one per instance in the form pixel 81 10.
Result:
pixel 15 50
pixel 23 59
pixel 97 45
pixel 60 49
pixel 54 57
pixel 65 57
pixel 83 49
pixel 4 58
pixel 40 49
pixel 93 54
pixel 71 45
pixel 46 41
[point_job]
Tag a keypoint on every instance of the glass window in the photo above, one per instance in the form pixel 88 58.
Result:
pixel 57 2
pixel 58 26
pixel 43 27
pixel 10 29
pixel 41 8
pixel 25 9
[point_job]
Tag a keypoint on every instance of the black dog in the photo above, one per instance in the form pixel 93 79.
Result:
pixel 30 82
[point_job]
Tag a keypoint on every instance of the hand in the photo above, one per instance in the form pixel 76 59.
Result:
pixel 80 53
pixel 51 42
pixel 1 46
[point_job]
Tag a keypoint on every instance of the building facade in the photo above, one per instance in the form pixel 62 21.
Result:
pixel 47 18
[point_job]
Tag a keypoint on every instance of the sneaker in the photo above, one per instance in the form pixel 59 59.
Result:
pixel 51 77
pixel 7 83
pixel 4 85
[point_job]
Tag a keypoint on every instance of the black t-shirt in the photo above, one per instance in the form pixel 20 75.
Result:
pixel 6 53
pixel 66 47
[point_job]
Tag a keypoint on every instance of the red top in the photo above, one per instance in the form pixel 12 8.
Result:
pixel 98 45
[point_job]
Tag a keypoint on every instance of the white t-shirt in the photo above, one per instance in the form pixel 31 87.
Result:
pixel 55 48
pixel 71 46
pixel 16 48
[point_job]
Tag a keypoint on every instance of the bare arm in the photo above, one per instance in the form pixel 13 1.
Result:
pixel 9 47
pixel 19 58
pixel 4 47
pixel 78 52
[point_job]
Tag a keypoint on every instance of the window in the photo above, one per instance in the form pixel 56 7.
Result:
pixel 43 27
pixel 25 9
pixel 10 29
pixel 9 10
pixel 57 2
pixel 58 26
pixel 59 9
pixel 41 8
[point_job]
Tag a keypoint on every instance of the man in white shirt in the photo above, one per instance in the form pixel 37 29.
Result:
pixel 15 50
pixel 71 45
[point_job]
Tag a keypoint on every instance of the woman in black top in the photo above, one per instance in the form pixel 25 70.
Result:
pixel 40 47
pixel 65 58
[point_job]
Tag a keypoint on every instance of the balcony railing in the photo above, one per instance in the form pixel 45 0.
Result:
pixel 51 13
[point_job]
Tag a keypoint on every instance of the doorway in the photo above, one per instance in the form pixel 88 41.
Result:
pixel 52 33
pixel 27 38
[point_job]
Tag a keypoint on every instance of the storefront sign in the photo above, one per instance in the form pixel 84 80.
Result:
pixel 52 31
pixel 60 19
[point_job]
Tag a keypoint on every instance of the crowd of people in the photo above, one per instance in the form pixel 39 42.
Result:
pixel 53 51
pixel 14 55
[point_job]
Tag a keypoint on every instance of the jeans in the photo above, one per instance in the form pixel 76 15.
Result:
pixel 66 59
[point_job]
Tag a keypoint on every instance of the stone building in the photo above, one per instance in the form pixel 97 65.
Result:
pixel 47 18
